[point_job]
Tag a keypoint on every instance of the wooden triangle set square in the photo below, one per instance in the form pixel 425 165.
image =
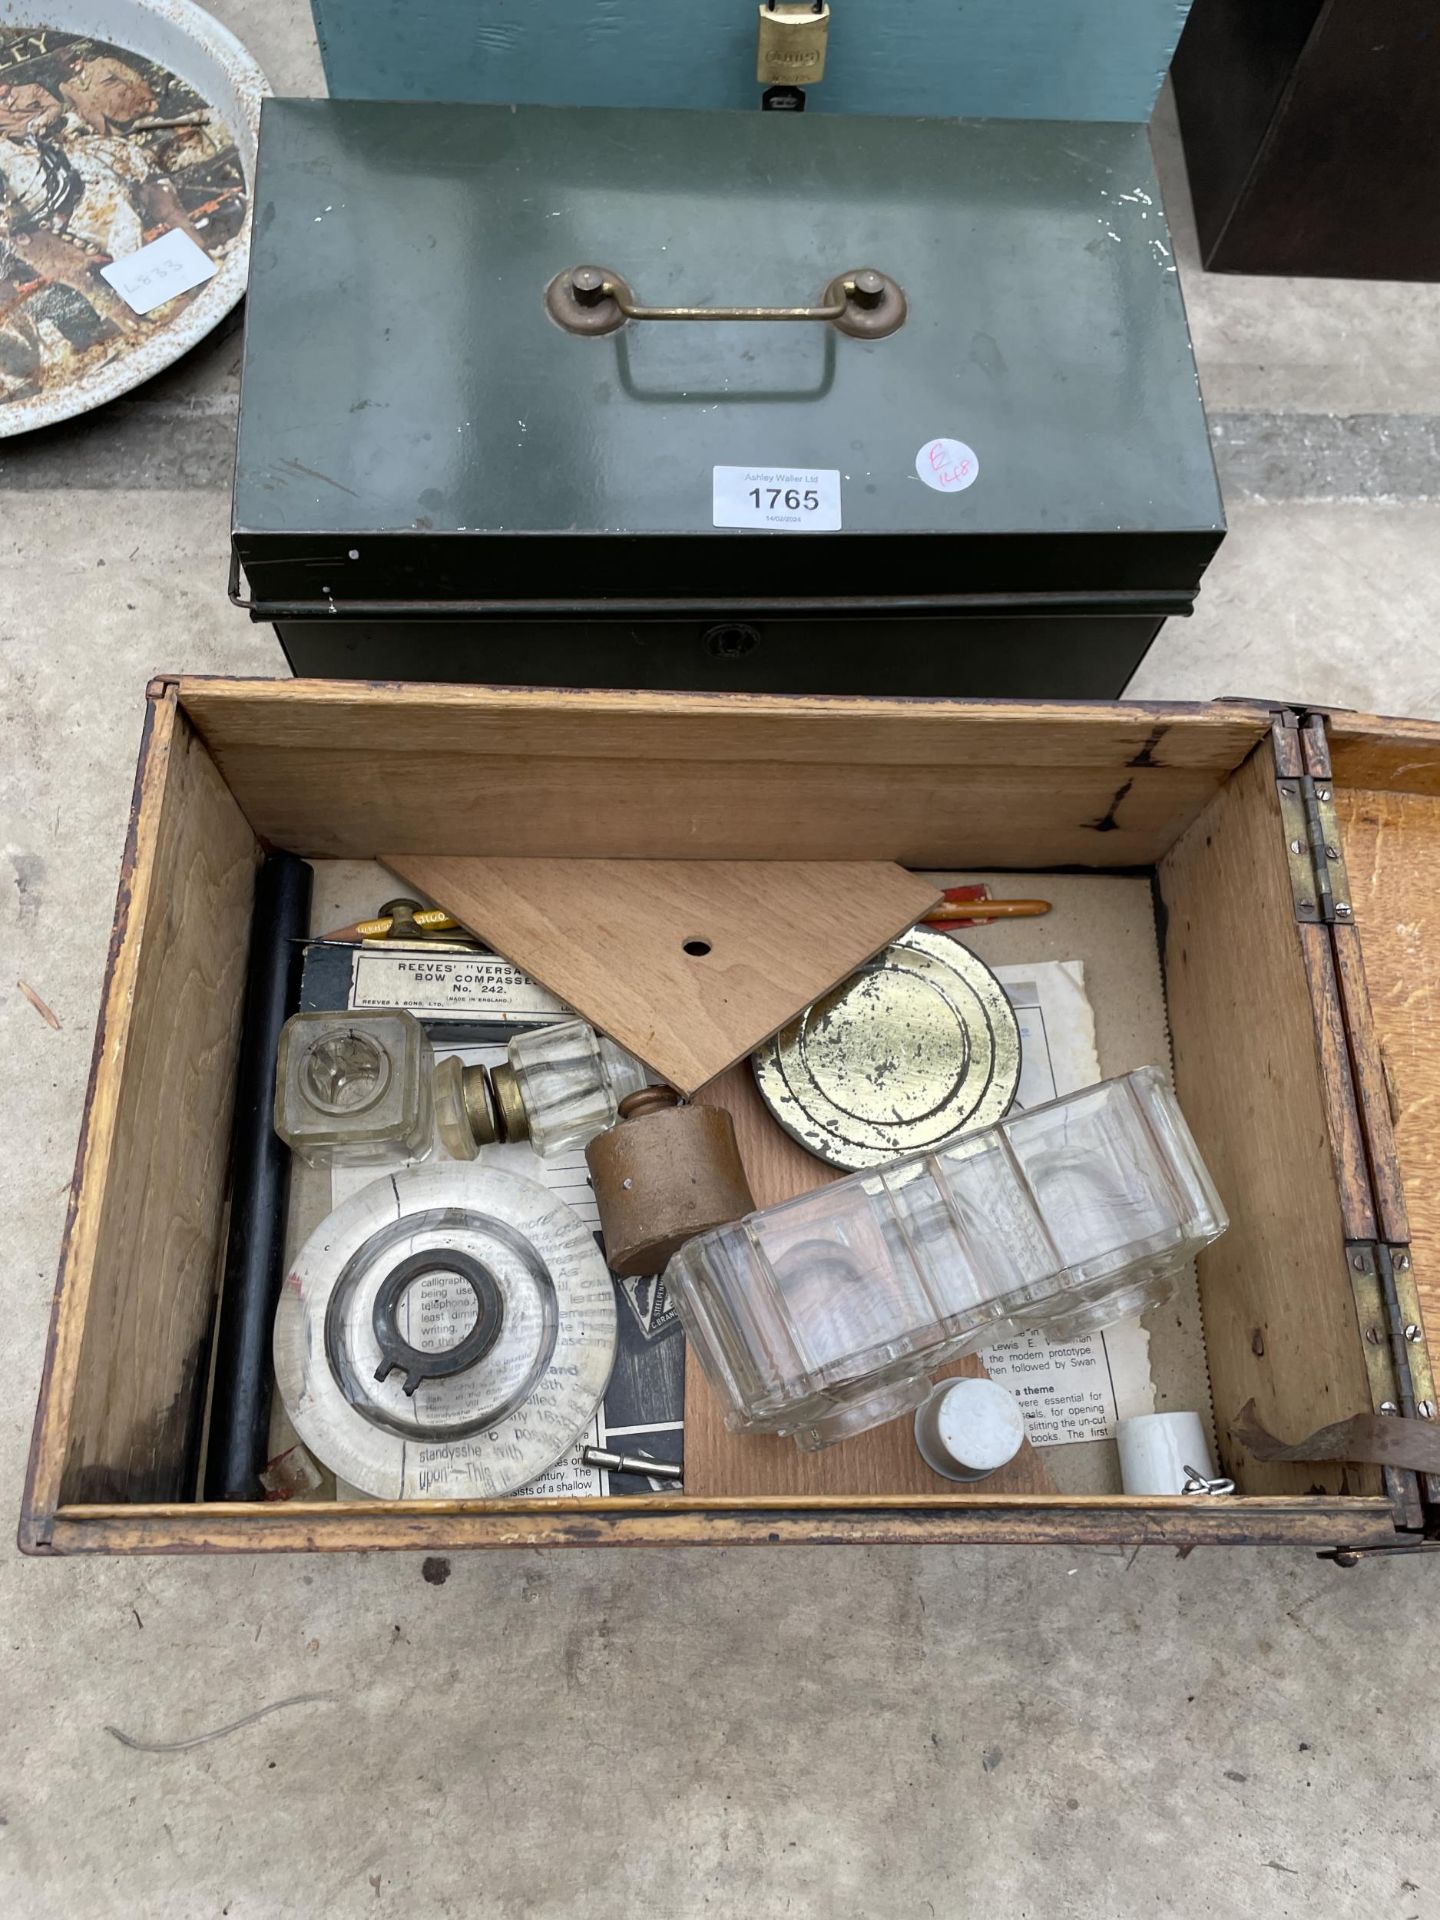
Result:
pixel 689 964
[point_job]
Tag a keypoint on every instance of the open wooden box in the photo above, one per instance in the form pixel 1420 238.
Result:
pixel 1291 855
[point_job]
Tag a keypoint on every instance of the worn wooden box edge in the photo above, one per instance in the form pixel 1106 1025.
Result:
pixel 49 1525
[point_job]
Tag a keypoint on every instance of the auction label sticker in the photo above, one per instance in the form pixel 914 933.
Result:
pixel 778 499
pixel 947 465
pixel 155 273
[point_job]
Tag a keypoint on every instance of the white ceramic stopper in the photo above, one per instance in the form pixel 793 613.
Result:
pixel 967 1429
pixel 1156 1448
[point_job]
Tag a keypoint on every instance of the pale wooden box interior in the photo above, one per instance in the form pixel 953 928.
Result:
pixel 336 771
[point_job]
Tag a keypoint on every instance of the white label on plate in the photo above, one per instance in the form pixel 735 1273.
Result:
pixel 947 465
pixel 167 266
pixel 782 499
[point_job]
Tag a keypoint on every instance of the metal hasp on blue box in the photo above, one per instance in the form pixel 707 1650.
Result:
pixel 948 438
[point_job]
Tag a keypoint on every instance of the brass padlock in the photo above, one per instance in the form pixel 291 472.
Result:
pixel 793 37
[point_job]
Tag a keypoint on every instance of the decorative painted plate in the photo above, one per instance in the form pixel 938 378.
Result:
pixel 128 131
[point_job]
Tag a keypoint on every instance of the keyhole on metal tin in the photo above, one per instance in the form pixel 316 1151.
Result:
pixel 732 640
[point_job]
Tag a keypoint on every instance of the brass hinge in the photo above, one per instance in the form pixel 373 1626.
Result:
pixel 1397 1361
pixel 1319 883
pixel 1408 1336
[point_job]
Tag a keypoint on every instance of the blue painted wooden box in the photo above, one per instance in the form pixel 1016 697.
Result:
pixel 1005 59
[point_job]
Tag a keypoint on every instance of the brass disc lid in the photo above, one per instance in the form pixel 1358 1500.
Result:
pixel 919 1045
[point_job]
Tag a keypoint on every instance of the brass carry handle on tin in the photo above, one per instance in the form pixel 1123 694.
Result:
pixel 864 303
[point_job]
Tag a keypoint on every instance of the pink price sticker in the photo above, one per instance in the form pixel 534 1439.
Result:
pixel 947 465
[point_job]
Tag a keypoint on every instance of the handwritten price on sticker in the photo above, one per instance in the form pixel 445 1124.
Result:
pixel 158 271
pixel 949 466
pixel 950 473
pixel 159 275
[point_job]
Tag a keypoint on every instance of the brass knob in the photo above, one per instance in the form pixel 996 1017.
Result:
pixel 867 289
pixel 588 285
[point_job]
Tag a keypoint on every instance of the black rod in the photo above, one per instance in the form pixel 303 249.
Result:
pixel 259 1188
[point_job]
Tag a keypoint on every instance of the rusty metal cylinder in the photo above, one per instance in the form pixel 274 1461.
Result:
pixel 662 1174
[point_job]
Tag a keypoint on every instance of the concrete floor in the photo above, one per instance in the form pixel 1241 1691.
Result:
pixel 836 1733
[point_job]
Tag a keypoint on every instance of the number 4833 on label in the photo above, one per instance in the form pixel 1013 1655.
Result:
pixel 778 499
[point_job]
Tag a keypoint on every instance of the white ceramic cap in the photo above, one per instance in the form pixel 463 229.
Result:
pixel 1156 1449
pixel 967 1429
